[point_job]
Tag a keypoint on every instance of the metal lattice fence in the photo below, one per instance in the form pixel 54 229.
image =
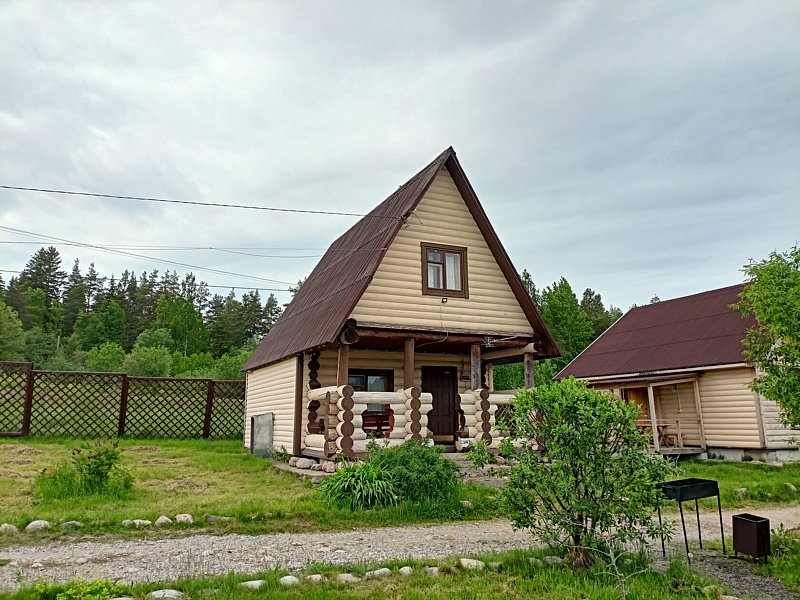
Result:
pixel 68 404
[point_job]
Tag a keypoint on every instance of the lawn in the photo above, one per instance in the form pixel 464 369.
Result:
pixel 516 577
pixel 198 477
pixel 784 564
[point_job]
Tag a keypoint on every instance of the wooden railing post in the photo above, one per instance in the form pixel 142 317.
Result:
pixel 209 408
pixel 123 407
pixel 28 406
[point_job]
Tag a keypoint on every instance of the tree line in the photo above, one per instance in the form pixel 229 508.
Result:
pixel 152 324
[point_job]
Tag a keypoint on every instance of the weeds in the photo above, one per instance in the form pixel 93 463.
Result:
pixel 361 486
pixel 479 455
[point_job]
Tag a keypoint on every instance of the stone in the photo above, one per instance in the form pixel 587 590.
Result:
pixel 166 593
pixel 142 523
pixel 37 525
pixel 536 562
pixel 726 597
pixel 293 461
pixel 495 566
pixel 253 584
pixel 347 578
pixel 552 561
pixel 466 504
pixel 432 571
pixel 329 466
pixel 305 463
pixel 8 529
pixel 791 487
pixel 122 598
pixel 499 460
pixel 163 520
pixel 127 523
pixel 37 565
pixel 405 571
pixel 471 564
pixel 288 580
pixel 82 560
pixel 317 480
pixel 741 492
pixel 384 572
pixel 216 519
pixel 660 565
pixel 315 578
pixel 184 519
pixel 316 467
pixel 71 525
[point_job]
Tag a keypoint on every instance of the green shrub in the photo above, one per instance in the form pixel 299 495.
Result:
pixel 94 470
pixel 479 455
pixel 360 486
pixel 78 590
pixel 420 472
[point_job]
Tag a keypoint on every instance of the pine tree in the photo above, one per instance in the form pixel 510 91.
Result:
pixel 74 298
pixel 43 272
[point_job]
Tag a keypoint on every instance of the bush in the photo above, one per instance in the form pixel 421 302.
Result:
pixel 420 472
pixel 78 590
pixel 360 486
pixel 107 358
pixel 148 362
pixel 155 338
pixel 94 470
pixel 479 455
pixel 585 471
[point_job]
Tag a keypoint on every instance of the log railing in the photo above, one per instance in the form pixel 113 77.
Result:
pixel 477 417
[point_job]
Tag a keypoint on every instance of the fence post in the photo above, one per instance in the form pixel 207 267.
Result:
pixel 28 406
pixel 123 407
pixel 209 408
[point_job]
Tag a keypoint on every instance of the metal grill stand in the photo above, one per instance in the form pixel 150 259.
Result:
pixel 683 490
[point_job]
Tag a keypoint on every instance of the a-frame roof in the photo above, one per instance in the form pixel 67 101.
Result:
pixel 694 331
pixel 317 313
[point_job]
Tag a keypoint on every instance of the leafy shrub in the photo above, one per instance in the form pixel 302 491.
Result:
pixel 148 362
pixel 420 472
pixel 94 470
pixel 360 486
pixel 106 358
pixel 78 590
pixel 479 455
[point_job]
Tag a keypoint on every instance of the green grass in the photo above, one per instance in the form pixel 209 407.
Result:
pixel 197 477
pixel 784 564
pixel 517 578
pixel 766 484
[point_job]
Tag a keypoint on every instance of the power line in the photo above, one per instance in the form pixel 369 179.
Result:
pixel 174 248
pixel 152 258
pixel 195 202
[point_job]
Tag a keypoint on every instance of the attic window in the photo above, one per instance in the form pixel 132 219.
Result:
pixel 444 271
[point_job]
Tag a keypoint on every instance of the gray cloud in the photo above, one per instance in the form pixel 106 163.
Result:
pixel 636 149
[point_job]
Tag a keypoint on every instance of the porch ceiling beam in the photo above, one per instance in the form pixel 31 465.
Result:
pixel 443 337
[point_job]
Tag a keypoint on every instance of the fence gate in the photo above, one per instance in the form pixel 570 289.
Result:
pixel 15 398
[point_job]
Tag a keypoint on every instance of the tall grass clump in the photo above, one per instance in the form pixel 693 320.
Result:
pixel 420 471
pixel 360 486
pixel 93 470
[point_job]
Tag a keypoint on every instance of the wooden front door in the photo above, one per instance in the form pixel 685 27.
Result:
pixel 442 383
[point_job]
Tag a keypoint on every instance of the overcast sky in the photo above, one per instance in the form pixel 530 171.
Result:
pixel 634 148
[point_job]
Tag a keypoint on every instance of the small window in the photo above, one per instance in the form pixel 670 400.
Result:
pixel 444 271
pixel 375 420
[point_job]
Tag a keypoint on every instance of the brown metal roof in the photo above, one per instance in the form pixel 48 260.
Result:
pixel 648 379
pixel 693 331
pixel 317 313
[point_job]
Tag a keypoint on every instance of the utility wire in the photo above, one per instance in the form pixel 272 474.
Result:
pixel 194 202
pixel 231 249
pixel 152 258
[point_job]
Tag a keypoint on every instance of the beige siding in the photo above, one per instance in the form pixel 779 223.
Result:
pixel 394 296
pixel 777 436
pixel 678 404
pixel 729 408
pixel 370 359
pixel 272 389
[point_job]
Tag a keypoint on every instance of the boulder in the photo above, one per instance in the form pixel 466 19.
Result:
pixel 432 571
pixel 253 584
pixel 142 523
pixel 329 466
pixel 216 519
pixel 726 597
pixel 384 572
pixel 552 560
pixel 315 578
pixel 166 593
pixel 471 564
pixel 304 463
pixel 37 525
pixel 536 562
pixel 8 529
pixel 405 571
pixel 185 519
pixel 71 525
pixel 293 461
pixel 347 578
pixel 288 580
pixel 163 520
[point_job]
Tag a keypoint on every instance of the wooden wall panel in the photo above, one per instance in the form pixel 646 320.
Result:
pixel 729 409
pixel 272 389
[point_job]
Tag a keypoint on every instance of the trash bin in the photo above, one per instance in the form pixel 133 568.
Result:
pixel 751 535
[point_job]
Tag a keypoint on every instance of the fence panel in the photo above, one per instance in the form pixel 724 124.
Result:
pixel 227 416
pixel 13 391
pixel 75 404
pixel 166 408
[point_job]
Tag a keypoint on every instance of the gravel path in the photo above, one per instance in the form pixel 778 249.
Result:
pixel 170 559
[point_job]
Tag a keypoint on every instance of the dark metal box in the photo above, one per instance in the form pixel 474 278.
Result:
pixel 751 535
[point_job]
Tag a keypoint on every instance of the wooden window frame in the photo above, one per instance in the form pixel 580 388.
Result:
pixel 388 373
pixel 443 292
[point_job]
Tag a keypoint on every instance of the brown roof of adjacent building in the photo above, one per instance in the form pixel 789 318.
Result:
pixel 694 331
pixel 318 311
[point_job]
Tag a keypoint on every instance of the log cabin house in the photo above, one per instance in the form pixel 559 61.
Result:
pixel 682 361
pixel 394 333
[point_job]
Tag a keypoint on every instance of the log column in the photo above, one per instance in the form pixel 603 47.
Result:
pixel 482 411
pixel 527 367
pixel 343 365
pixel 475 366
pixel 331 435
pixel 346 416
pixel 408 363
pixel 413 405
